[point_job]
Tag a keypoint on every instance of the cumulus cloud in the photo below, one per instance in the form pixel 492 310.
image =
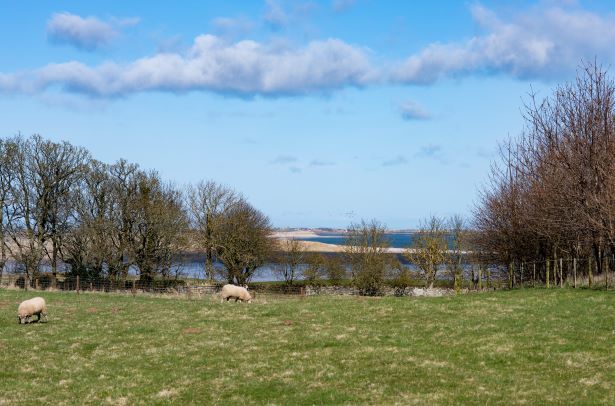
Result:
pixel 244 68
pixel 543 42
pixel 413 111
pixel 88 33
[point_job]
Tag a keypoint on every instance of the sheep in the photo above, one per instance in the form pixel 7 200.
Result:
pixel 31 307
pixel 237 292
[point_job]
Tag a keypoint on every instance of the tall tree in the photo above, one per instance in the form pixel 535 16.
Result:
pixel 160 226
pixel 243 241
pixel 208 202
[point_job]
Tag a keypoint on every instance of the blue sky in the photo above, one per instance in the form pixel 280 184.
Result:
pixel 320 112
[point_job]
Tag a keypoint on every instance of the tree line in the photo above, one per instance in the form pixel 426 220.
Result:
pixel 552 193
pixel 60 205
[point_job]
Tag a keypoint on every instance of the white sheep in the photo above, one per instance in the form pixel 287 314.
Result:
pixel 28 308
pixel 235 292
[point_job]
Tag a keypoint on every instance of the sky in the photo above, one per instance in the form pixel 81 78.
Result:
pixel 321 113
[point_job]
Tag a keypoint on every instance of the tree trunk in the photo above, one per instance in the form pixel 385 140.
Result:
pixel 54 263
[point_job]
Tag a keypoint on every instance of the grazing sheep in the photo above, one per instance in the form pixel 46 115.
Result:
pixel 235 292
pixel 31 307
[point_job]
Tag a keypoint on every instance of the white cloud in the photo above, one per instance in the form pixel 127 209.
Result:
pixel 413 111
pixel 542 42
pixel 88 33
pixel 244 68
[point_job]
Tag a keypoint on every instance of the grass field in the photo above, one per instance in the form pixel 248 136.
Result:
pixel 531 346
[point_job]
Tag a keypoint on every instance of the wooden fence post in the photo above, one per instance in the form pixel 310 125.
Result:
pixel 510 275
pixel 574 271
pixel 561 273
pixel 77 284
pixel 134 290
pixel 548 275
pixel 589 270
pixel 534 275
pixel 36 286
pixel 488 277
pixel 522 274
pixel 480 277
pixel 606 273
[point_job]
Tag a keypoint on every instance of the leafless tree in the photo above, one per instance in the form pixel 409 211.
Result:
pixel 289 256
pixel 207 203
pixel 160 226
pixel 552 193
pixel 243 241
pixel 455 257
pixel 429 246
pixel 366 253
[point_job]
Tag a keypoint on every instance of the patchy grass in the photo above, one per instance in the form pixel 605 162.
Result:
pixel 524 346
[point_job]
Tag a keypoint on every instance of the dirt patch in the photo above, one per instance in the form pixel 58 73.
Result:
pixel 5 304
pixel 287 322
pixel 191 330
pixel 115 310
pixel 92 310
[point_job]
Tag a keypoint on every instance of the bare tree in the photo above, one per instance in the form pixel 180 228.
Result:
pixel 243 241
pixel 366 253
pixel 207 203
pixel 316 268
pixel 7 149
pixel 429 248
pixel 456 255
pixel 26 216
pixel 290 255
pixel 88 247
pixel 552 193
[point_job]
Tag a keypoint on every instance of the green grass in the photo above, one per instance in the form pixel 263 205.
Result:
pixel 530 346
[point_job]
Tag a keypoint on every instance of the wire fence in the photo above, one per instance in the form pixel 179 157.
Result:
pixel 183 287
pixel 559 272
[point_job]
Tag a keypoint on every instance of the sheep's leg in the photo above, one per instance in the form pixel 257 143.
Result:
pixel 236 299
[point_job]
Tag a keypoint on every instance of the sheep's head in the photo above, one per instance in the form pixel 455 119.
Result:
pixel 22 319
